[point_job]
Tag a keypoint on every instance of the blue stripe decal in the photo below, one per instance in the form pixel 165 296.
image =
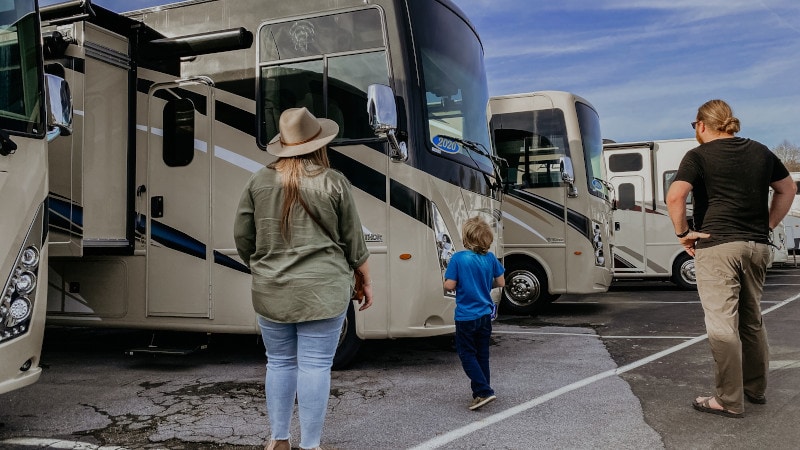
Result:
pixel 67 216
pixel 64 214
pixel 229 262
pixel 172 238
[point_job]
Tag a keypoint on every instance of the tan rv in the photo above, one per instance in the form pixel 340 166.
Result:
pixel 556 208
pixel 174 106
pixel 25 126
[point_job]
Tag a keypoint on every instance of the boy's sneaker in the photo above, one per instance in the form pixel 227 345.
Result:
pixel 478 402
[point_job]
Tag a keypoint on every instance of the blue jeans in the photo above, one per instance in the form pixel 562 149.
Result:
pixel 299 360
pixel 472 344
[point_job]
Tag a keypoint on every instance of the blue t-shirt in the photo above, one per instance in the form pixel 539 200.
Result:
pixel 473 274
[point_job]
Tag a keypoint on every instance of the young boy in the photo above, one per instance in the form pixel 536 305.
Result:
pixel 472 273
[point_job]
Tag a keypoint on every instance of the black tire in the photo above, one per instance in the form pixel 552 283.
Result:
pixel 526 289
pixel 683 273
pixel 349 342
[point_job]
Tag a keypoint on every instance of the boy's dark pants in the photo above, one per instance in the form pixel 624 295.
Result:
pixel 472 344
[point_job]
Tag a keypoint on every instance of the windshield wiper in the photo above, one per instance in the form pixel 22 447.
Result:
pixel 480 149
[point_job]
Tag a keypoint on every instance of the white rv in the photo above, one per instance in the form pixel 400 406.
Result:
pixel 792 219
pixel 25 126
pixel 556 208
pixel 174 106
pixel 645 245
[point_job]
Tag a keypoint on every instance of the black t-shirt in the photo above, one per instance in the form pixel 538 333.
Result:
pixel 730 181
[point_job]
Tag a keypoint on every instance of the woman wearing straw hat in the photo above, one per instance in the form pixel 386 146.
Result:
pixel 298 230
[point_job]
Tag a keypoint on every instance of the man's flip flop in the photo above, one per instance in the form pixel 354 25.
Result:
pixel 705 406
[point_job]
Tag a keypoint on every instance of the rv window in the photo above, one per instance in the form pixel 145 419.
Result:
pixel 329 83
pixel 178 139
pixel 669 177
pixel 627 196
pixel 592 140
pixel 325 35
pixel 533 143
pixel 20 99
pixel 626 162
pixel 290 86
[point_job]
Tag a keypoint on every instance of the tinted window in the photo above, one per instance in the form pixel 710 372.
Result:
pixel 342 54
pixel 669 177
pixel 454 80
pixel 592 140
pixel 178 132
pixel 627 196
pixel 628 162
pixel 533 143
pixel 21 102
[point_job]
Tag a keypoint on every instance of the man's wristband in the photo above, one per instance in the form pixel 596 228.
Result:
pixel 684 234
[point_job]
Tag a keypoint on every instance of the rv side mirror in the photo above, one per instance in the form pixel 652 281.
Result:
pixel 59 107
pixel 568 176
pixel 382 111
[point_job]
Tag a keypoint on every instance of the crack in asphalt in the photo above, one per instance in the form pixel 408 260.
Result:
pixel 201 415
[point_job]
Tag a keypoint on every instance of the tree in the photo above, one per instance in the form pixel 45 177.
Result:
pixel 789 154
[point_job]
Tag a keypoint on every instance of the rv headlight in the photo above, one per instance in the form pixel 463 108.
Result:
pixel 18 295
pixel 30 257
pixel 20 309
pixel 444 243
pixel 597 241
pixel 25 282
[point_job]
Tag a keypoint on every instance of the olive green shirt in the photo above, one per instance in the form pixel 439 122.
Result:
pixel 310 277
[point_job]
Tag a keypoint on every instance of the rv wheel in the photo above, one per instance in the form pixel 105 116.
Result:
pixel 683 272
pixel 349 342
pixel 526 289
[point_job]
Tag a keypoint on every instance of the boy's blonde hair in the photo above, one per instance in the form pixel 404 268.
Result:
pixel 477 235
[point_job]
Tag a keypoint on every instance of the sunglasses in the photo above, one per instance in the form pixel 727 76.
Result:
pixel 694 124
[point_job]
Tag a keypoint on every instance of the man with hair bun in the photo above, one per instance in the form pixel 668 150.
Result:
pixel 730 178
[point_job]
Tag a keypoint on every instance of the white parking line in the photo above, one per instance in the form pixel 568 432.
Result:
pixel 458 433
pixel 59 444
pixel 597 336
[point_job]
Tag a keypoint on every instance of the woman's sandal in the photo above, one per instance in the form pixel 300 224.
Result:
pixel 705 406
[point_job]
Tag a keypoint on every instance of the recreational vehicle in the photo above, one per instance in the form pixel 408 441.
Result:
pixel 645 245
pixel 174 107
pixel 556 208
pixel 792 219
pixel 25 126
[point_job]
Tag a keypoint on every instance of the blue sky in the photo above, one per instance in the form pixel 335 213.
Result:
pixel 646 65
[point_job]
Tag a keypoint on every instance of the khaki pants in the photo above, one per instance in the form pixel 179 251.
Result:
pixel 730 281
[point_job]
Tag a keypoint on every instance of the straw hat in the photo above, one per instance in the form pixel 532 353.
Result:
pixel 301 133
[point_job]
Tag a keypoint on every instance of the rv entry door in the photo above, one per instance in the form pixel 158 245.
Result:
pixel 630 174
pixel 180 152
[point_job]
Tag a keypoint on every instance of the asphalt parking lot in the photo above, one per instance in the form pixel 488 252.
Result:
pixel 617 370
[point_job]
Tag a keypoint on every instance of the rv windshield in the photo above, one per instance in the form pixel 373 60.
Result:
pixel 20 108
pixel 454 82
pixel 589 122
pixel 534 144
